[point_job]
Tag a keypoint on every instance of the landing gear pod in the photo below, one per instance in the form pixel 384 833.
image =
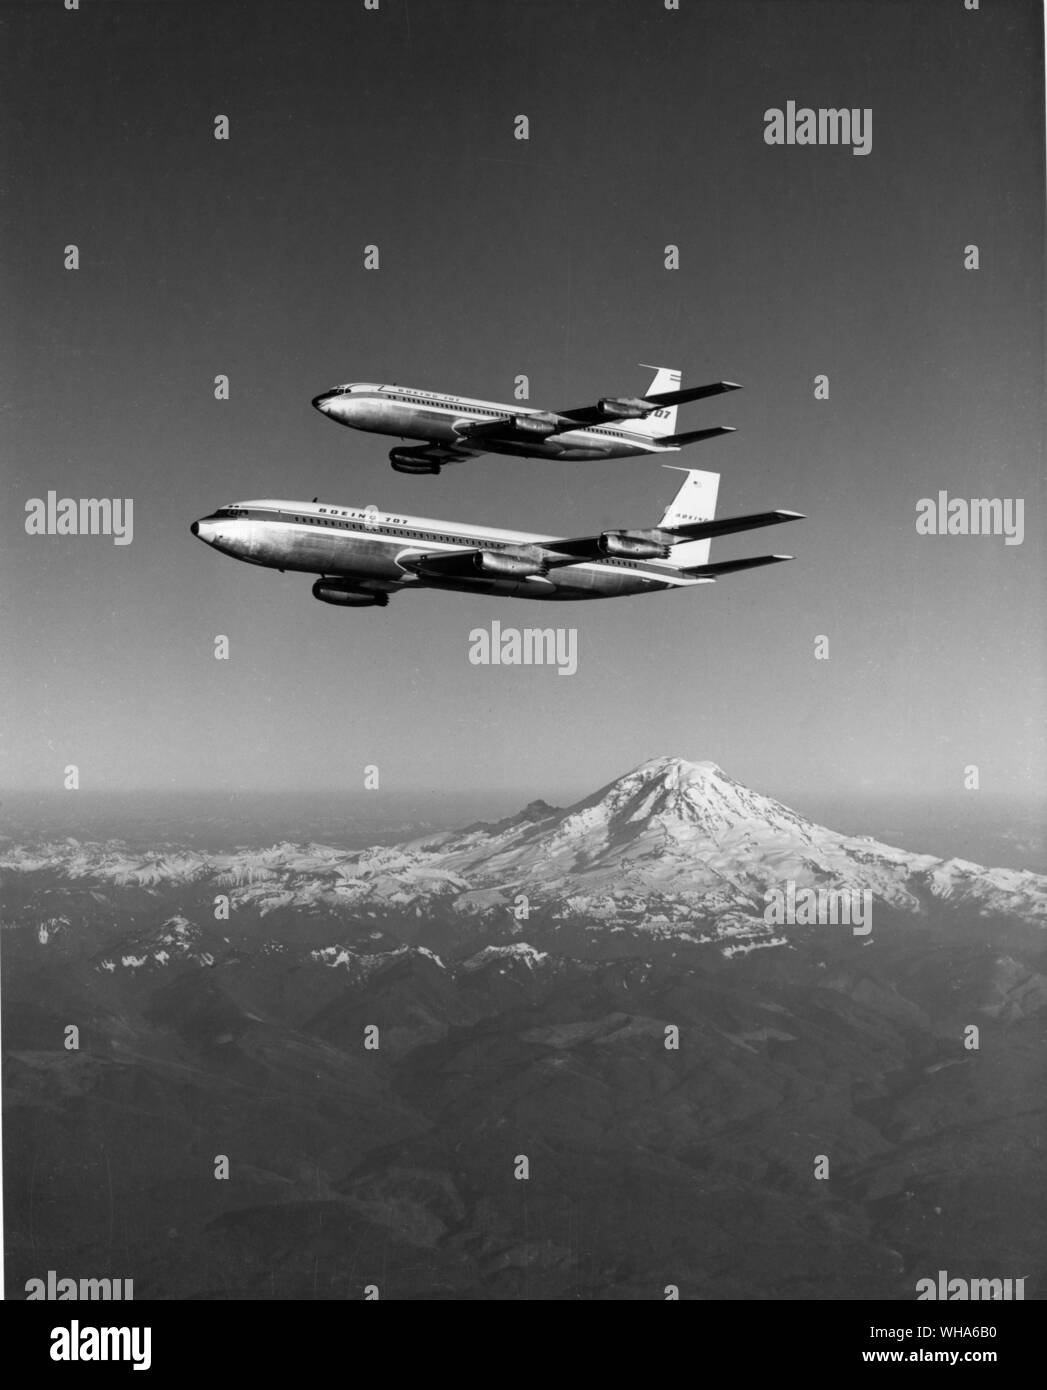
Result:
pixel 329 591
pixel 412 461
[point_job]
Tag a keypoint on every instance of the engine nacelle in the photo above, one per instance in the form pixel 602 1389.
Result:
pixel 329 591
pixel 636 545
pixel 498 563
pixel 538 425
pixel 624 407
pixel 410 461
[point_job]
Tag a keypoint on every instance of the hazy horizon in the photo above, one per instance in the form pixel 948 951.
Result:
pixel 1003 831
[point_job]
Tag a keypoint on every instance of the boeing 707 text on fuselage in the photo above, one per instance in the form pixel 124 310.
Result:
pixel 456 428
pixel 363 555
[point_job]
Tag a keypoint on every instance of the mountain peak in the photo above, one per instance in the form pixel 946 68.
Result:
pixel 532 814
pixel 676 787
pixel 677 771
pixel 673 794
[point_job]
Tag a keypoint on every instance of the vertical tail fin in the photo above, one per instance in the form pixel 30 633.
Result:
pixel 662 421
pixel 695 501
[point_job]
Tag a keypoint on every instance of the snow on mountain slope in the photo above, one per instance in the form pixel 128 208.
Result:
pixel 667 844
pixel 687 833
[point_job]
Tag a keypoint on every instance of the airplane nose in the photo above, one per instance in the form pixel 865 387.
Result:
pixel 323 402
pixel 195 528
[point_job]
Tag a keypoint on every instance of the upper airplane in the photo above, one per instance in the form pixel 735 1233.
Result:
pixel 457 428
pixel 363 555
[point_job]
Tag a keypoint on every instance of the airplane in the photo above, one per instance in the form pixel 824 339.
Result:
pixel 457 428
pixel 362 555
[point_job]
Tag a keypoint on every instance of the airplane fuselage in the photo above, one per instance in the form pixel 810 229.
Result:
pixel 436 418
pixel 373 552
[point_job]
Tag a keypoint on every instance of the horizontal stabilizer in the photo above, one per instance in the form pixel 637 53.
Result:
pixel 729 566
pixel 692 393
pixel 695 436
pixel 727 525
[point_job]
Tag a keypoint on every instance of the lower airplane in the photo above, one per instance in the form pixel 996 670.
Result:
pixel 457 427
pixel 363 555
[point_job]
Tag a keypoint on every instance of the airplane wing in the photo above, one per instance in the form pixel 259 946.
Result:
pixel 573 549
pixel 537 425
pixel 636 407
pixel 541 556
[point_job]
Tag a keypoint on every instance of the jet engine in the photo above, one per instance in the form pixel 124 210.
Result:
pixel 499 563
pixel 624 407
pixel 637 545
pixel 538 425
pixel 330 591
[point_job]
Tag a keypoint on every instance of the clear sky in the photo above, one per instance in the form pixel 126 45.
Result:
pixel 544 257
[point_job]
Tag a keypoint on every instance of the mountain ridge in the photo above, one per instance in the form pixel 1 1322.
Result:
pixel 670 846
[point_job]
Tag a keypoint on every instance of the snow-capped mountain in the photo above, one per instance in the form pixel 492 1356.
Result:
pixel 676 832
pixel 672 847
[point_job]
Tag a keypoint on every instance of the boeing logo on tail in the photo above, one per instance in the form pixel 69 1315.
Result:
pixel 362 555
pixel 456 428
